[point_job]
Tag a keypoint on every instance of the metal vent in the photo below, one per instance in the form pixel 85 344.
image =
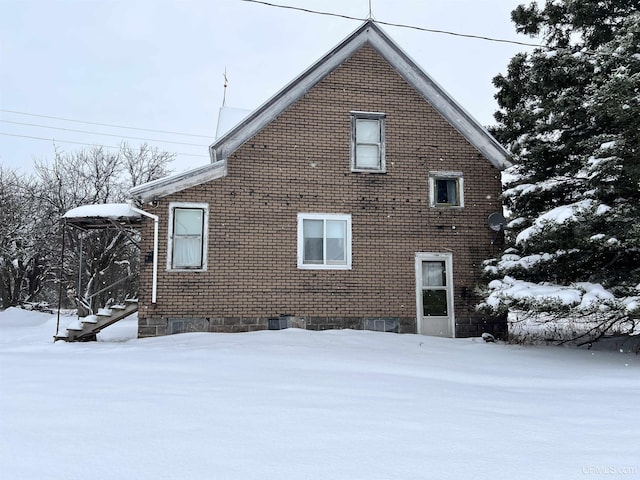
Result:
pixel 391 325
pixel 187 325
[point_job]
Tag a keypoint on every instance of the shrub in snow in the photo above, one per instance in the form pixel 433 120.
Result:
pixel 579 313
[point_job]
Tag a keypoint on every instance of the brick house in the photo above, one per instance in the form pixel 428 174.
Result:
pixel 356 197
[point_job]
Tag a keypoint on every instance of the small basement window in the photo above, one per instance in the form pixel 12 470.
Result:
pixel 382 324
pixel 186 325
pixel 188 228
pixel 446 189
pixel 367 142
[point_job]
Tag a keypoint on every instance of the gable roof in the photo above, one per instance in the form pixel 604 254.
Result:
pixel 367 34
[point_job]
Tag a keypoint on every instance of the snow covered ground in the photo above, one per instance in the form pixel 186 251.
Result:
pixel 295 404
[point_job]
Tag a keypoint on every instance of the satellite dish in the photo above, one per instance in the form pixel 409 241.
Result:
pixel 496 222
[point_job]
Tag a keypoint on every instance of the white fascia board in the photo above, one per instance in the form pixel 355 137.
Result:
pixel 445 104
pixel 277 104
pixel 176 183
pixel 368 33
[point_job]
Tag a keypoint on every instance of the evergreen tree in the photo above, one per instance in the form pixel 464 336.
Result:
pixel 570 114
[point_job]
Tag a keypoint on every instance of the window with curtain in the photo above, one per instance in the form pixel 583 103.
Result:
pixel 367 142
pixel 324 241
pixel 188 237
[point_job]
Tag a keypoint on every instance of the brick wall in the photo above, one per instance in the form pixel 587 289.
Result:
pixel 300 163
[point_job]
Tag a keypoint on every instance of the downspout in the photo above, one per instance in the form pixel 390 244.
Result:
pixel 156 220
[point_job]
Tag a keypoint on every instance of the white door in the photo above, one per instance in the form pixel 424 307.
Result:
pixel 434 294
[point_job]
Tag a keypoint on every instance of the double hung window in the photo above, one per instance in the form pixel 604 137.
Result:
pixel 187 236
pixel 367 142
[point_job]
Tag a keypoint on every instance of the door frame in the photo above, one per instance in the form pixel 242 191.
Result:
pixel 447 258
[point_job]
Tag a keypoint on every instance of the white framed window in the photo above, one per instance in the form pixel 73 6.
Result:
pixel 324 241
pixel 187 236
pixel 367 142
pixel 446 189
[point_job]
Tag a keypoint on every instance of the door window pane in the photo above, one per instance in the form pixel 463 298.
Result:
pixel 433 274
pixel 434 303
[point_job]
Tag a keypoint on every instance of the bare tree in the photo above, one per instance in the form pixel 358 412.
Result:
pixel 24 259
pixel 145 164
pixel 86 177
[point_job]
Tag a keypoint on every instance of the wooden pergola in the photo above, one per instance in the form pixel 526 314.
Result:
pixel 118 216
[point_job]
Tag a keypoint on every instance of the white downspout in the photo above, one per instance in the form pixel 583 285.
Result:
pixel 156 220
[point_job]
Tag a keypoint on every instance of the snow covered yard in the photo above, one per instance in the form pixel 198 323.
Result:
pixel 295 404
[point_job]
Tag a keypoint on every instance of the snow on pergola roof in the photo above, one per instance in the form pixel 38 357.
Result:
pixel 104 215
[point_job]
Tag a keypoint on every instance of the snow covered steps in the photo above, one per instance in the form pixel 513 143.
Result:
pixel 85 329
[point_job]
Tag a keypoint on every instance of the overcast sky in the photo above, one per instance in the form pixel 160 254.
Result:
pixel 159 64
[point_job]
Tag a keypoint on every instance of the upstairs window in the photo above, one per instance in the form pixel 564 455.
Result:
pixel 367 142
pixel 324 241
pixel 446 189
pixel 187 236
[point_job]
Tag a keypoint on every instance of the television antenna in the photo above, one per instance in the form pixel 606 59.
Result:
pixel 226 82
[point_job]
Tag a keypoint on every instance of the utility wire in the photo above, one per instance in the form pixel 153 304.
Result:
pixel 306 10
pixel 103 124
pixel 88 144
pixel 390 24
pixel 104 134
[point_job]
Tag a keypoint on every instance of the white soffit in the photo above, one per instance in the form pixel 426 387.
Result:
pixel 175 183
pixel 367 33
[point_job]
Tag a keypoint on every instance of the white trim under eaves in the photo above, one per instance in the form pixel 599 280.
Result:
pixel 175 183
pixel 371 34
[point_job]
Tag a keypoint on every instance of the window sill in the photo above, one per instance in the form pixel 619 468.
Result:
pixel 323 267
pixel 365 170
pixel 448 207
pixel 186 270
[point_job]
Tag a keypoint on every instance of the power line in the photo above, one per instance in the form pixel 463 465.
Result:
pixel 401 25
pixel 104 134
pixel 53 140
pixel 103 124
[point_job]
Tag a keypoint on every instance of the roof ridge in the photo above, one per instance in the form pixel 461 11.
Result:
pixel 367 33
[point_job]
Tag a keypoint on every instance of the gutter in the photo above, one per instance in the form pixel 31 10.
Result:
pixel 156 220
